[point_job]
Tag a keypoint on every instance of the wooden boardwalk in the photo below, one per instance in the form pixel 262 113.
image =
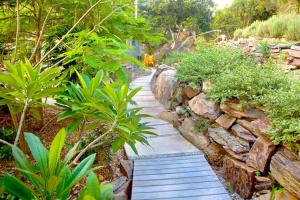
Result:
pixel 171 168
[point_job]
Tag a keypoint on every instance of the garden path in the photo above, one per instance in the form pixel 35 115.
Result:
pixel 171 167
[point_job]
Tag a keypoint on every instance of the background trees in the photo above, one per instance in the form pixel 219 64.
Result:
pixel 169 16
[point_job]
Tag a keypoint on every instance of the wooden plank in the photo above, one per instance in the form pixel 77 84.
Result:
pixel 145 183
pixel 182 165
pixel 210 197
pixel 179 193
pixel 175 175
pixel 173 158
pixel 167 162
pixel 176 187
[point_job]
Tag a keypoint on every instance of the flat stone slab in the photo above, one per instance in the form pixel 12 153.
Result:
pixel 161 147
pixel 176 177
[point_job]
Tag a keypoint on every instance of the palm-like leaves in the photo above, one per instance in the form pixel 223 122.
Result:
pixel 24 84
pixel 51 177
pixel 104 105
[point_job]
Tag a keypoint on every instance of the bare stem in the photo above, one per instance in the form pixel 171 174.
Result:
pixel 90 145
pixel 70 30
pixel 18 30
pixel 40 36
pixel 6 143
pixel 21 123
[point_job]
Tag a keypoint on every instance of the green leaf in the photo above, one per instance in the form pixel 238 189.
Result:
pixel 39 152
pixel 55 150
pixel 15 187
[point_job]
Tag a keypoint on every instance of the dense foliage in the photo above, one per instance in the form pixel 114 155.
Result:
pixel 235 76
pixel 275 27
pixel 242 13
pixel 173 16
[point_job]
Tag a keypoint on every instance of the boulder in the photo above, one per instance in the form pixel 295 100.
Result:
pixel 164 87
pixel 243 133
pixel 294 53
pixel 296 47
pixel 263 183
pixel 200 140
pixel 284 46
pixel 261 153
pixel 235 109
pixel 228 141
pixel 295 62
pixel 170 117
pixel 202 106
pixel 259 127
pixel 215 154
pixel 225 121
pixel 284 195
pixel 285 168
pixel 240 176
pixel 188 92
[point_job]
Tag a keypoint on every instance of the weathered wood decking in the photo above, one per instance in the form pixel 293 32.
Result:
pixel 171 168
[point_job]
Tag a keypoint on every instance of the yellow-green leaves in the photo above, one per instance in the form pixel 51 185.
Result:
pixel 55 150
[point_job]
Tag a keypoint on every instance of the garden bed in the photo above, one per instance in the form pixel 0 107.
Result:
pixel 239 114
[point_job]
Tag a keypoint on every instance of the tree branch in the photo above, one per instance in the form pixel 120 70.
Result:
pixel 17 32
pixel 64 36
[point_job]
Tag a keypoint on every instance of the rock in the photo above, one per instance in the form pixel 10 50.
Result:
pixel 284 46
pixel 294 53
pixel 243 133
pixel 284 195
pixel 225 121
pixel 267 196
pixel 200 140
pixel 170 117
pixel 126 167
pixel 188 92
pixel 164 87
pixel 259 127
pixel 296 62
pixel 119 182
pixel 202 106
pixel 215 154
pixel 178 96
pixel 240 176
pixel 263 183
pixel 235 109
pixel 276 51
pixel 228 141
pixel 285 168
pixel 124 192
pixel 261 153
pixel 295 47
pixel 206 85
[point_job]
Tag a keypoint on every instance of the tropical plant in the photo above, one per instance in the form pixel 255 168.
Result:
pixel 51 177
pixel 96 191
pixel 95 103
pixel 24 86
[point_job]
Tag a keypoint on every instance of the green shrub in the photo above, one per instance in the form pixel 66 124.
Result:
pixel 277 26
pixel 264 48
pixel 235 76
pixel 283 110
pixel 293 28
pixel 207 63
pixel 262 30
pixel 251 30
pixel 238 33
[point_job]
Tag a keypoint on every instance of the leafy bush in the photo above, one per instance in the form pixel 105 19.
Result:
pixel 234 76
pixel 264 48
pixel 248 83
pixel 207 63
pixel 277 26
pixel 51 177
pixel 262 29
pixel 238 33
pixel 293 28
pixel 283 109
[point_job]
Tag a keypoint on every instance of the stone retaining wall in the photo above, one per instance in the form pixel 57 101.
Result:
pixel 235 140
